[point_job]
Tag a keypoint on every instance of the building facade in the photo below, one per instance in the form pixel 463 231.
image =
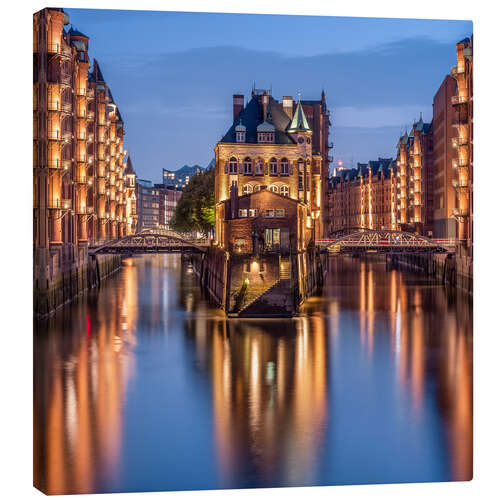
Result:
pixel 78 154
pixel 363 197
pixel 462 121
pixel 415 179
pixel 268 148
pixel 181 177
pixel 155 204
pixel 130 197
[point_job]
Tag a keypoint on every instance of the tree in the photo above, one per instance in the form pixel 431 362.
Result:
pixel 195 210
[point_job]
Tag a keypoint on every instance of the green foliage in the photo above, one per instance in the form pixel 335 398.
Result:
pixel 195 210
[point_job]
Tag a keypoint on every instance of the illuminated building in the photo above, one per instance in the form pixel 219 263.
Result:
pixel 415 179
pixel 181 177
pixel 363 197
pixel 130 197
pixel 268 173
pixel 78 194
pixel 462 121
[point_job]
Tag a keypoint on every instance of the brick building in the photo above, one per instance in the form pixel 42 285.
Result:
pixel 270 146
pixel 415 179
pixel 363 197
pixel 78 154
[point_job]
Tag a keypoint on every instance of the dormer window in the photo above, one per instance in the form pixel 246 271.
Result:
pixel 265 137
pixel 241 132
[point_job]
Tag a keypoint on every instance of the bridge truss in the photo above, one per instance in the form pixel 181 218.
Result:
pixel 152 242
pixel 383 241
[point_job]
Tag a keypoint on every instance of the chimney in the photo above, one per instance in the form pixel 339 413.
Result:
pixel 238 105
pixel 288 105
pixel 264 99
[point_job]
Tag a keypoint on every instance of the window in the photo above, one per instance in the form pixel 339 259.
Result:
pixel 247 189
pixel 259 166
pixel 243 212
pixel 240 136
pixel 284 166
pixel 274 188
pixel 252 212
pixel 247 166
pixel 273 166
pixel 256 188
pixel 284 190
pixel 233 166
pixel 272 238
pixel 267 137
pixel 280 212
pixel 301 180
pixel 269 212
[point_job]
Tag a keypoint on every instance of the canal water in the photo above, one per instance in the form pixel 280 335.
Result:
pixel 143 385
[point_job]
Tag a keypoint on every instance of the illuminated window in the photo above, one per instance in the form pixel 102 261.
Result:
pixel 280 212
pixel 284 190
pixel 247 166
pixel 252 212
pixel 273 166
pixel 233 166
pixel 274 188
pixel 259 166
pixel 269 212
pixel 247 189
pixel 243 212
pixel 284 166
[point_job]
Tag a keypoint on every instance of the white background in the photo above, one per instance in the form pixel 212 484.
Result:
pixel 16 240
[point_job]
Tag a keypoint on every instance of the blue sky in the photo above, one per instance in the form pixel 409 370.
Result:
pixel 173 75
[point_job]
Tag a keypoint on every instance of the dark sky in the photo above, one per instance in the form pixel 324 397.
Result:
pixel 173 75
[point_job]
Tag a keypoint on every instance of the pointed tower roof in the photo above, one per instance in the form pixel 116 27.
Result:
pixel 299 121
pixel 129 169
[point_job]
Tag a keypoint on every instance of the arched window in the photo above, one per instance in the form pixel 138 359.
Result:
pixel 284 166
pixel 233 166
pixel 256 188
pixel 284 190
pixel 274 188
pixel 247 189
pixel 259 166
pixel 247 166
pixel 273 166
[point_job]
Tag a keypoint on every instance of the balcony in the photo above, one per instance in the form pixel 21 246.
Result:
pixel 459 99
pixel 54 106
pixel 65 78
pixel 53 48
pixel 81 91
pixel 460 212
pixel 67 107
pixel 57 204
pixel 459 184
pixel 54 135
pixel 459 141
pixel 54 164
pixel 456 70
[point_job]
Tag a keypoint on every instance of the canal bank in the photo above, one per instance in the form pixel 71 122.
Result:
pixel 449 269
pixel 263 285
pixel 65 282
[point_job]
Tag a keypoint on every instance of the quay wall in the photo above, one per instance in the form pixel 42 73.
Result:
pixel 264 285
pixel 449 269
pixel 63 283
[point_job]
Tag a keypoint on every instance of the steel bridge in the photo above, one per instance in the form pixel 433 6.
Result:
pixel 152 241
pixel 361 240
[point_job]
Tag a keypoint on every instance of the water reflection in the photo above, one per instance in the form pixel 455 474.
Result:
pixel 142 385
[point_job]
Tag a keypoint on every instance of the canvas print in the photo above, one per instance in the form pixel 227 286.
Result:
pixel 253 250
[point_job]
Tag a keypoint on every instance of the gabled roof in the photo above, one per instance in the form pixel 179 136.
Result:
pixel 299 121
pixel 251 117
